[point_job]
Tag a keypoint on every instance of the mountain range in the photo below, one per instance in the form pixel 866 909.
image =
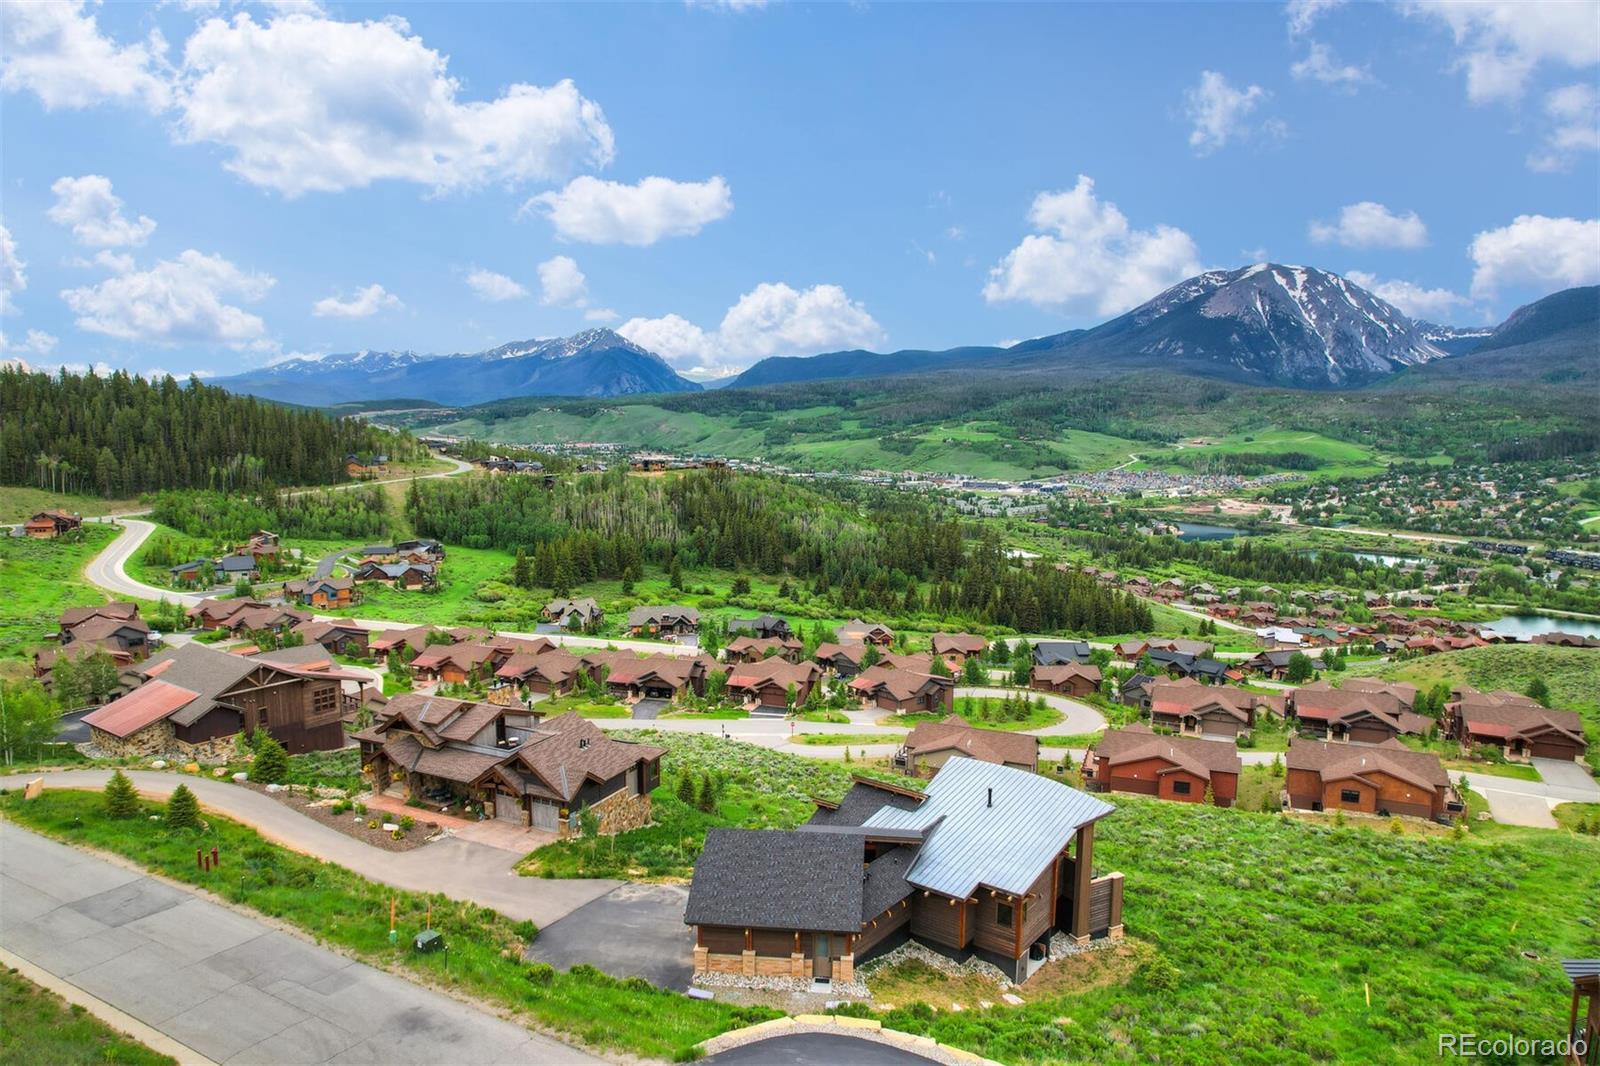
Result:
pixel 596 362
pixel 1266 324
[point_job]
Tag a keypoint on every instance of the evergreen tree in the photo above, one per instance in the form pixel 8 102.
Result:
pixel 1538 691
pixel 121 799
pixel 521 570
pixel 271 765
pixel 707 800
pixel 686 789
pixel 183 810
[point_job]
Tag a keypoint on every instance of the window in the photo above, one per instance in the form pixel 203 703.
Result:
pixel 1004 915
pixel 1349 795
pixel 1180 788
pixel 324 705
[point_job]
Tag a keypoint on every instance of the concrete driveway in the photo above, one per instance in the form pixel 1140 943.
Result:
pixel 1517 802
pixel 1564 774
pixel 633 931
pixel 1517 808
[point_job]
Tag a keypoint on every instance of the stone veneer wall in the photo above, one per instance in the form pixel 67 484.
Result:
pixel 619 812
pixel 158 740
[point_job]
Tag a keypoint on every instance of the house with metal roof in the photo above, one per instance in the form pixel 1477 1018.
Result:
pixel 988 861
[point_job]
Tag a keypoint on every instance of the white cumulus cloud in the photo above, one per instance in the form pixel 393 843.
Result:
pixel 34 342
pixel 1417 301
pixel 609 212
pixel 1574 114
pixel 1087 258
pixel 57 52
pixel 365 303
pixel 305 103
pixel 771 319
pixel 1534 250
pixel 1500 43
pixel 1372 225
pixel 494 288
pixel 1303 14
pixel 1221 113
pixel 561 283
pixel 13 272
pixel 1321 65
pixel 94 213
pixel 182 300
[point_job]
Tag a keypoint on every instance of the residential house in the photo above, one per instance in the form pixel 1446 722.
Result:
pixel 1069 679
pixel 1273 664
pixel 753 649
pixel 193 702
pixel 957 648
pixel 45 659
pixel 456 664
pixel 1520 727
pixel 416 639
pixel 1386 779
pixel 1191 709
pixel 520 767
pixel 988 862
pixel 842 660
pixel 583 613
pixel 213 613
pixel 322 592
pixel 338 636
pixel 194 573
pixel 667 623
pixel 47 525
pixel 1180 646
pixel 112 625
pixel 763 626
pixel 769 682
pixel 1135 690
pixel 656 677
pixel 931 744
pixel 903 691
pixel 401 575
pixel 231 569
pixel 366 465
pixel 1137 759
pixel 856 631
pixel 1129 651
pixel 263 544
pixel 1359 714
pixel 551 672
pixel 258 618
pixel 1060 652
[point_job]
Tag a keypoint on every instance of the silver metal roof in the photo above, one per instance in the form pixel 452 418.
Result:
pixel 1003 846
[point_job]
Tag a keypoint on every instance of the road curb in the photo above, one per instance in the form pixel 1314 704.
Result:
pixel 842 1025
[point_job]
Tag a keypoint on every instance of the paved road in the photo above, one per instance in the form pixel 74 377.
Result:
pixel 223 983
pixel 1529 803
pixel 816 1049
pixel 461 869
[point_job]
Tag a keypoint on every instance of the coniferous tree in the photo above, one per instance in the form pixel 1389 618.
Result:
pixel 271 765
pixel 121 799
pixel 183 810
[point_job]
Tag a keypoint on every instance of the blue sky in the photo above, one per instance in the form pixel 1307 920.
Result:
pixel 211 186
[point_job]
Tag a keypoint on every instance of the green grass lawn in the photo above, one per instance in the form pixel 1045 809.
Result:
pixel 42 578
pixel 1583 817
pixel 756 787
pixel 18 502
pixel 351 914
pixel 42 1029
pixel 585 706
pixel 851 739
pixel 1338 458
pixel 1571 674
pixel 1277 941
pixel 986 712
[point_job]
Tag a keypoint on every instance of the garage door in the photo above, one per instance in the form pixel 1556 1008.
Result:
pixel 545 816
pixel 507 807
pixel 1554 749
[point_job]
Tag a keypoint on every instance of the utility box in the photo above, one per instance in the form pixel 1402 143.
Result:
pixel 428 941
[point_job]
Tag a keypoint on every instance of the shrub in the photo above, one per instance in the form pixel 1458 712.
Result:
pixel 407 823
pixel 183 810
pixel 541 974
pixel 121 799
pixel 526 931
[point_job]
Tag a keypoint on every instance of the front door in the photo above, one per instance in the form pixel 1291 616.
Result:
pixel 633 780
pixel 821 963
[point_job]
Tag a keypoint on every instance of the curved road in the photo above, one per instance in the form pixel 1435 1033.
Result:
pixel 461 869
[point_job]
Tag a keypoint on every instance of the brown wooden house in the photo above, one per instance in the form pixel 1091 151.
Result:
pixel 754 649
pixel 551 672
pixel 903 691
pixel 932 744
pixel 768 682
pixel 46 525
pixel 519 766
pixel 1191 708
pixel 338 637
pixel 957 647
pixel 665 623
pixel 1384 779
pixel 1137 759
pixel 1358 712
pixel 842 660
pixel 988 862
pixel 1069 679
pixel 322 592
pixel 194 701
pixel 856 631
pixel 1520 727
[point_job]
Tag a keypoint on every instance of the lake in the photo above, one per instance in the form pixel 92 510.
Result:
pixel 1524 626
pixel 1201 531
pixel 1372 557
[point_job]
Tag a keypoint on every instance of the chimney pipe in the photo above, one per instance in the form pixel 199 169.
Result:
pixel 991 796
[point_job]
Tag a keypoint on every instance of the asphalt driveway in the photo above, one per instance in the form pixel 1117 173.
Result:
pixel 816 1049
pixel 648 709
pixel 632 931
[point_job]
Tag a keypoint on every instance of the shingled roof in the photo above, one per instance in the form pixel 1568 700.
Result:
pixel 1336 762
pixel 1510 714
pixel 987 745
pixel 1197 755
pixel 775 879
